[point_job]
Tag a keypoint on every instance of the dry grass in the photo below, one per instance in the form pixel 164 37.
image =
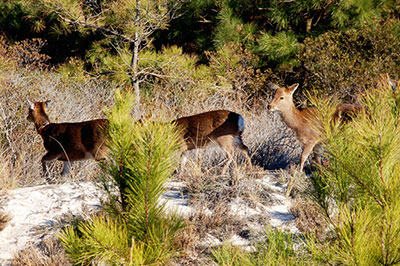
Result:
pixel 309 218
pixel 48 253
pixel 4 220
pixel 21 147
pixel 271 144
pixel 213 196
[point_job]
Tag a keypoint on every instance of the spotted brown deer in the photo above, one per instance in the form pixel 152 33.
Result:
pixel 305 122
pixel 220 126
pixel 68 142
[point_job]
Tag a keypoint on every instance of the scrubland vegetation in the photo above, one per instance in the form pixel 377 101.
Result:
pixel 156 61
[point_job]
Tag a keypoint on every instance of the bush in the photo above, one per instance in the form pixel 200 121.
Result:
pixel 345 63
pixel 358 189
pixel 135 230
pixel 278 248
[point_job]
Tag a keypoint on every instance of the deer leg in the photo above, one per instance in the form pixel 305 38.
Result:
pixel 44 167
pixel 243 149
pixel 183 162
pixel 47 157
pixel 226 143
pixel 317 154
pixel 229 161
pixel 66 168
pixel 186 146
pixel 307 149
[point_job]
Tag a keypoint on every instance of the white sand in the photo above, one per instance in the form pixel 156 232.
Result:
pixel 41 207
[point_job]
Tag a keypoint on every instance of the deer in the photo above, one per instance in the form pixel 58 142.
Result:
pixel 68 142
pixel 345 112
pixel 305 122
pixel 220 126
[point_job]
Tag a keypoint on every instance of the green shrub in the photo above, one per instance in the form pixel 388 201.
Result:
pixel 278 248
pixel 358 188
pixel 135 229
pixel 344 63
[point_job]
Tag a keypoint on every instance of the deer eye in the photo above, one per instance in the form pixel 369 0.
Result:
pixel 282 98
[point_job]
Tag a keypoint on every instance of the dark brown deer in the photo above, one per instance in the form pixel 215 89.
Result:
pixel 220 126
pixel 345 112
pixel 305 122
pixel 68 142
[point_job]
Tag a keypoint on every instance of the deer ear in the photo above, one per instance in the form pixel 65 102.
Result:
pixel 31 105
pixel 273 86
pixel 393 84
pixel 293 88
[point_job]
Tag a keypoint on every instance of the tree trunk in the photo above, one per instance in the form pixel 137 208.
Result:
pixel 135 61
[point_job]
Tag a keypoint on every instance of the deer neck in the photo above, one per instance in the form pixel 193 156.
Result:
pixel 292 117
pixel 41 121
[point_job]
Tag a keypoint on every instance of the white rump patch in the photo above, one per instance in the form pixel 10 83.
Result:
pixel 241 123
pixel 31 105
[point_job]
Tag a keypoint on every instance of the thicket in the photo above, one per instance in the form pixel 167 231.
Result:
pixel 345 63
pixel 24 20
pixel 357 190
pixel 336 46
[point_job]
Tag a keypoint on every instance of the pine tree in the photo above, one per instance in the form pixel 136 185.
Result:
pixel 358 188
pixel 127 26
pixel 135 229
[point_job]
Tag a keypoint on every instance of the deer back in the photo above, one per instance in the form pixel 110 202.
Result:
pixel 199 129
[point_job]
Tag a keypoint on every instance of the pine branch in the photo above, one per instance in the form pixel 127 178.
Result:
pixel 359 181
pixel 94 26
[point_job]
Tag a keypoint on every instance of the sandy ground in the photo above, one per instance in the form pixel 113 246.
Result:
pixel 36 210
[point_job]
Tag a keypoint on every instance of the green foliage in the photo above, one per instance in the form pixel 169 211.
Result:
pixel 343 63
pixel 232 29
pixel 347 13
pixel 279 50
pixel 108 62
pixel 74 68
pixel 277 249
pixel 136 230
pixel 358 189
pixel 101 239
pixel 191 28
pixel 234 66
pixel 274 29
pixel 176 75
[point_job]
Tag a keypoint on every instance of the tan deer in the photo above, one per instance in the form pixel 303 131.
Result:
pixel 220 126
pixel 68 142
pixel 305 122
